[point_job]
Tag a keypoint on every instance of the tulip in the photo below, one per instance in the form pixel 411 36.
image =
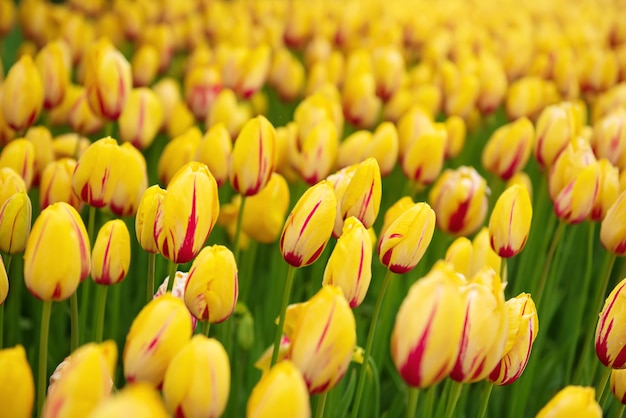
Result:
pixel 138 400
pixel 493 83
pixel 422 352
pixel 56 184
pixel 212 287
pixel 423 159
pixel 508 149
pixel 460 93
pixel 41 138
pixel 6 133
pixel 178 152
pixel 254 70
pixel 405 241
pixel 459 255
pixel 361 197
pixel 608 191
pixel 144 64
pixel 8 17
pixel 618 385
pixel 19 155
pixel 510 220
pixel 214 150
pixel 523 328
pixel 521 179
pixel 555 128
pixel 53 63
pixel 455 138
pixel 395 211
pixel 145 219
pixel 141 118
pixel 388 66
pixel 58 255
pixel 415 122
pixel 84 381
pixel 613 227
pixel 228 111
pixel 80 116
pixel 17 388
pixel 315 108
pixel 93 172
pixel 15 218
pixel 572 401
pixel 157 334
pixel 22 94
pixel 459 200
pixel 360 103
pixel 609 337
pixel 598 70
pixel 287 75
pixel 202 85
pixel 281 393
pixel 10 184
pixel 128 180
pixel 527 97
pixel 108 80
pixel 187 214
pixel 318 153
pixel 197 380
pixel 309 225
pixel 273 202
pixel 4 283
pixel 609 138
pixel 168 91
pixel 252 160
pixel 110 257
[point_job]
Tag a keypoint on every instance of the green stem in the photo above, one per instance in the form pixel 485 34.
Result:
pixel 74 329
pixel 150 283
pixel 455 394
pixel 283 308
pixel 430 401
pixel 238 228
pixel 368 344
pixel 503 272
pixel 43 355
pixel 620 411
pixel 101 305
pixel 548 262
pixel 602 383
pixel 414 394
pixel 91 224
pixel 1 326
pixel 321 404
pixel 172 275
pixel 485 401
pixel 206 327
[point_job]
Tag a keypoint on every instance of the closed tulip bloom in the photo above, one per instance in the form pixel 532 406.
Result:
pixel 144 65
pixel 422 352
pixel 405 241
pixel 613 227
pixel 523 328
pixel 618 385
pixel 608 190
pixel 214 150
pixel 318 153
pixel 80 116
pixel 17 388
pixel 85 380
pixel 598 70
pixel 415 122
pixel 212 287
pixel 187 214
pixel 510 220
pixel 340 181
pixel 423 160
pixel 555 128
pixel 4 282
pixel 110 257
pixel 572 401
pixel 456 134
pixel 202 84
pixel 388 68
pixel 273 202
pixel 58 254
pixel 169 92
pixel 10 183
pixel 41 138
pixel 360 104
pixel 157 334
pixel 56 184
pixel 178 152
pixel 141 118
pixel 609 137
pixel 197 380
pixel 394 211
pixel 362 196
pixel 128 180
pixel 483 254
pixel 91 179
pixel 19 155
pixel 459 255
pixel 252 160
pixel 526 97
pixel 609 337
pixel 108 80
pixel 145 218
pixel 8 17
pixel 22 94
pixel 138 400
pixel 227 110
pixel 54 65
pixel 309 225
pixel 15 218
pixel 350 264
pixel 253 72
pixel 287 75
pixel 508 149
pixel 322 332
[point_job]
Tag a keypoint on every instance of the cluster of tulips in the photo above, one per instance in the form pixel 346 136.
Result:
pixel 249 148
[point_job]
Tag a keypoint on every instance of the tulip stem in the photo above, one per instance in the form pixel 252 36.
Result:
pixel 150 283
pixel 74 329
pixel 43 355
pixel 238 228
pixel 602 383
pixel 171 275
pixel 430 401
pixel 414 394
pixel 548 262
pixel 206 328
pixel 321 405
pixel 1 326
pixel 91 224
pixel 485 401
pixel 101 306
pixel 620 411
pixel 503 272
pixel 369 342
pixel 453 399
pixel 283 308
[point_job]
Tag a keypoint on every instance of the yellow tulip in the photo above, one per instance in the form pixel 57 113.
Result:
pixel 613 227
pixel 509 148
pixel 202 84
pixel 138 400
pixel 388 68
pixel 608 190
pixel 609 137
pixel 168 91
pixel 179 151
pixel 214 150
pixel 17 388
pixel 54 64
pixel 360 103
pixel 456 134
pixel 81 117
pixel 572 401
pixel 128 179
pixel 91 179
pixel 413 123
pixel 15 219
pixel 423 160
pixel 19 155
pixel 618 385
pixel 4 282
pixel 362 196
pixel 145 219
pixel 144 63
pixel 555 128
pixel 10 183
pixel 56 184
pixel 228 111
pixel 273 202
pixel 141 118
pixel 510 220
pixel 609 337
pixel 281 393
pixel 22 94
pixel 41 138
pixel 110 257
pixel 318 152
pixel 254 68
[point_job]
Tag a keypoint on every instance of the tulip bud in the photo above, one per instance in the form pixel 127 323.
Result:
pixel 510 220
pixel 459 255
pixel 319 152
pixel 214 150
pixel 197 380
pixel 19 155
pixel 493 83
pixel 93 171
pixel 228 111
pixel 508 149
pixel 145 219
pixel 22 94
pixel 613 229
pixel 527 97
pixel 423 159
pixel 110 257
pixel 168 91
pixel 17 388
pixel 555 128
pixel 523 328
pixel 178 152
pixel 54 65
pixel 212 287
pixel 394 211
pixel 405 241
pixel 41 138
pixel 415 122
pixel 82 118
pixel 56 184
pixel 459 200
pixel 572 401
pixel 58 254
pixel 85 380
pixel 608 190
pixel 7 19
pixel 254 70
pixel 187 214
pixel 202 85
pixel 609 347
pixel 281 393
pixel 108 80
pixel 388 66
pixel 144 65
pixel 10 184
pixel 287 75
pixel 138 400
pixel 6 133
pixel 141 118
pixel 273 202
pixel 157 334
pixel 609 138
pixel 15 218
pixel 362 196
pixel 309 225
pixel 455 138
pixel 618 385
pixel 252 160
pixel 361 106
pixel 422 352
pixel 598 70
pixel 128 179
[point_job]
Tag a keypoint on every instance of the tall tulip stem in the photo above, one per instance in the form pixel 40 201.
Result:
pixel 74 329
pixel 414 394
pixel 206 328
pixel 171 275
pixel 453 399
pixel 1 326
pixel 620 411
pixel 283 308
pixel 548 262
pixel 485 400
pixel 101 305
pixel 369 342
pixel 238 228
pixel 150 282
pixel 43 355
pixel 321 405
pixel 602 383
